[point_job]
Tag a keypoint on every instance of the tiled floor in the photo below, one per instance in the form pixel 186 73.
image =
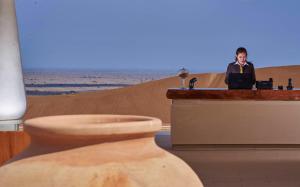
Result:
pixel 240 167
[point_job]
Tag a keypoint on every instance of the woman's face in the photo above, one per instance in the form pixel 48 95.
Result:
pixel 241 57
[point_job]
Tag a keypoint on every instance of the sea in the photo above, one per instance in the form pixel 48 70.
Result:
pixel 58 82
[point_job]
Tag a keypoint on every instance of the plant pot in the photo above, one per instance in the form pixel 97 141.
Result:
pixel 95 150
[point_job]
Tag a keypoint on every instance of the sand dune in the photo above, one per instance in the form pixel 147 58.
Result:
pixel 143 99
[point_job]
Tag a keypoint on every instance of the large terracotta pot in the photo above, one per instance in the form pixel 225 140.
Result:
pixel 95 150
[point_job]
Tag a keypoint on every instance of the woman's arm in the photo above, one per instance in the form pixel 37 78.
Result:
pixel 253 75
pixel 227 74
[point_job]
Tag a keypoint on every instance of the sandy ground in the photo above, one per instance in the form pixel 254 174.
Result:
pixel 147 99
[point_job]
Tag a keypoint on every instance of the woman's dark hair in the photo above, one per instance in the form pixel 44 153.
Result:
pixel 241 50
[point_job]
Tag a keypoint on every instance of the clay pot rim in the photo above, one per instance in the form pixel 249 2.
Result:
pixel 92 125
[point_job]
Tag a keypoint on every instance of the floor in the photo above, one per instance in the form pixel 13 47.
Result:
pixel 239 166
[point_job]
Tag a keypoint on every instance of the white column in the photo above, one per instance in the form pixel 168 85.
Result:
pixel 12 92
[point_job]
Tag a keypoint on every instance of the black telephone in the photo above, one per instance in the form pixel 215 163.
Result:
pixel 192 82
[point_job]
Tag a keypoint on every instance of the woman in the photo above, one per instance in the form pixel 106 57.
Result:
pixel 241 65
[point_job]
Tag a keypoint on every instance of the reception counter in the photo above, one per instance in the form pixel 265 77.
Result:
pixel 235 117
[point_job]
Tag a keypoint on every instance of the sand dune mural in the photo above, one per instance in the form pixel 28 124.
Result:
pixel 147 99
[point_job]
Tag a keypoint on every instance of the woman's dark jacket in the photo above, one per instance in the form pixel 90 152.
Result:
pixel 235 68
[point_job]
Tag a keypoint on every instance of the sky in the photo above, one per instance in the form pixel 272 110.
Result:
pixel 200 35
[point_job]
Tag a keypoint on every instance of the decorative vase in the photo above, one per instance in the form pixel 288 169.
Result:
pixel 12 91
pixel 183 74
pixel 95 150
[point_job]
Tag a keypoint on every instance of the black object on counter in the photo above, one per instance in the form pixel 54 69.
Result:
pixel 290 85
pixel 192 83
pixel 240 81
pixel 264 85
pixel 280 87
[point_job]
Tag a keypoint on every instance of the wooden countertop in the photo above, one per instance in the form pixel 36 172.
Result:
pixel 225 94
